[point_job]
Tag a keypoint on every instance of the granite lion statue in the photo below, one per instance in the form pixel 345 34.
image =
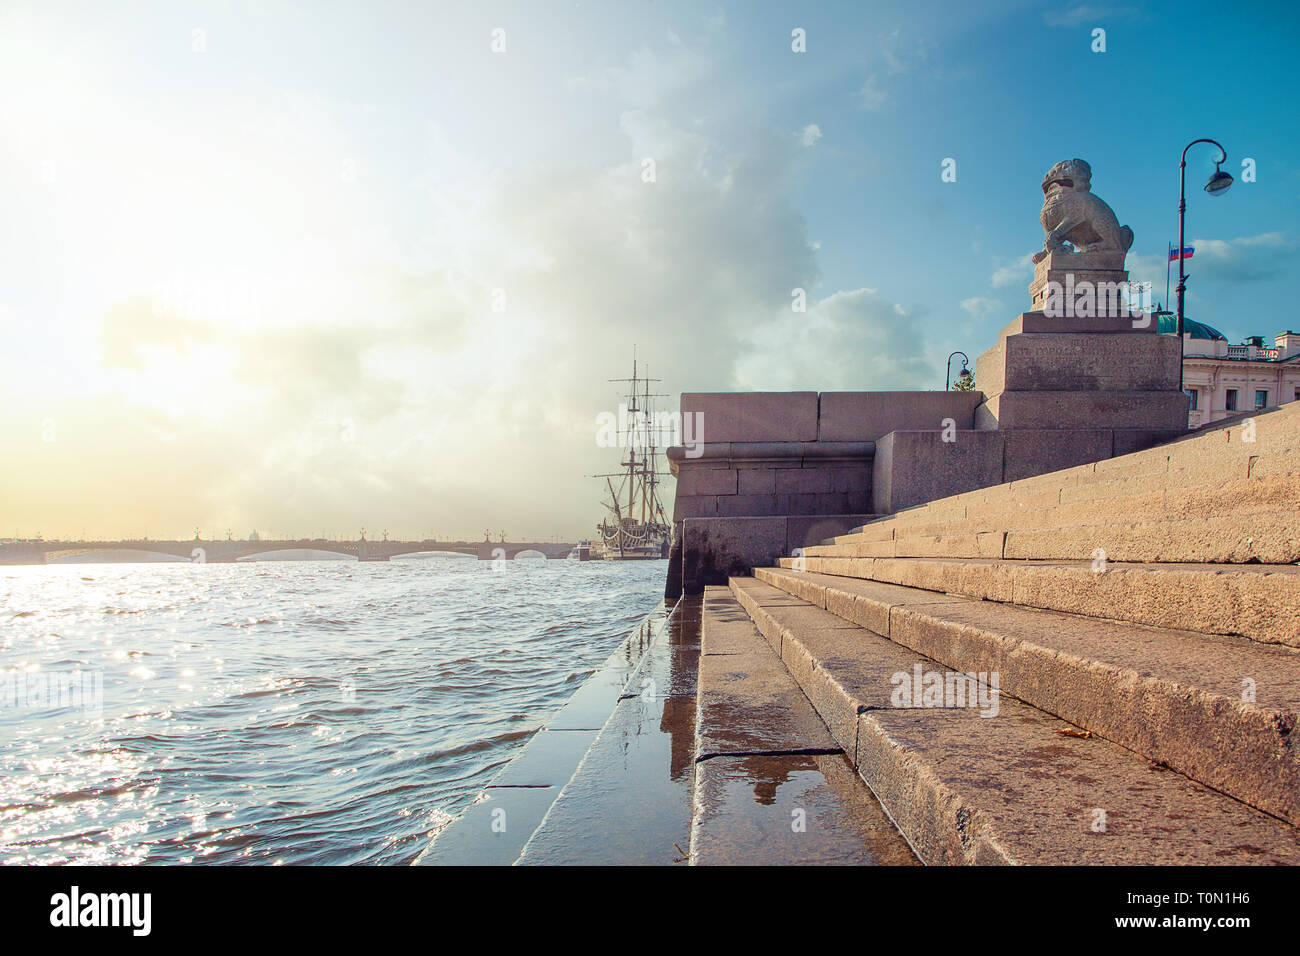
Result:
pixel 1071 213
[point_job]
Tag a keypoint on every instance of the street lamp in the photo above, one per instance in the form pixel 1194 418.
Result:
pixel 964 375
pixel 1216 186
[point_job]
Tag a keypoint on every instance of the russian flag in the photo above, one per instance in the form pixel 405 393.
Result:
pixel 1187 253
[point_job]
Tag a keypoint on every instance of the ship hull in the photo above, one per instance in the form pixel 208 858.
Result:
pixel 639 543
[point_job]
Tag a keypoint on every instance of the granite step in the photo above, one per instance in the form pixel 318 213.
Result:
pixel 1258 601
pixel 1241 501
pixel 1135 474
pixel 1221 710
pixel 1216 492
pixel 771 785
pixel 1125 530
pixel 1266 539
pixel 1003 781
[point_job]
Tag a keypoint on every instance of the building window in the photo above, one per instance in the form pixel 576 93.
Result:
pixel 1261 398
pixel 1230 401
pixel 1191 399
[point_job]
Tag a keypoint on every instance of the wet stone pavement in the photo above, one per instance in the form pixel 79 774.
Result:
pixel 772 786
pixel 629 802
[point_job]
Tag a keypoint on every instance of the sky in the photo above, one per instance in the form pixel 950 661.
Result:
pixel 308 268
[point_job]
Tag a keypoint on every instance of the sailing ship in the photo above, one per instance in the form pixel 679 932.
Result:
pixel 635 527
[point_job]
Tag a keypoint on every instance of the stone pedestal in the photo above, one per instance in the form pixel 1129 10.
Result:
pixel 1079 379
pixel 1079 285
pixel 1066 360
pixel 1080 392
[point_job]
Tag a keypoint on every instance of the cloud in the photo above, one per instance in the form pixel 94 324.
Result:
pixel 855 339
pixel 811 133
pixel 1021 270
pixel 869 97
pixel 648 75
pixel 1247 259
pixel 978 307
pixel 133 327
pixel 901 57
pixel 1092 14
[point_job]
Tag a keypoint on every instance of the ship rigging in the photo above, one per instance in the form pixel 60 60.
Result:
pixel 635 526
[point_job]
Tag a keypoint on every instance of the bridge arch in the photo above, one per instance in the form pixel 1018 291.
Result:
pixel 291 553
pixel 107 555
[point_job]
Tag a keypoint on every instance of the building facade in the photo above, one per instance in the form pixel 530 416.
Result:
pixel 1223 380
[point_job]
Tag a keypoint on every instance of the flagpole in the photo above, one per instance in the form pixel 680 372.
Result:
pixel 1169 258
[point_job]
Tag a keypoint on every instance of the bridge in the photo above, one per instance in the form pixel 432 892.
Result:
pixel 224 552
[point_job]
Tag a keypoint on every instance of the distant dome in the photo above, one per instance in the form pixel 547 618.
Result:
pixel 1198 330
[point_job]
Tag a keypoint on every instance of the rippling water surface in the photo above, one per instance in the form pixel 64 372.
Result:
pixel 307 712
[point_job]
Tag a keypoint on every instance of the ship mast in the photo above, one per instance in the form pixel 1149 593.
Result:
pixel 649 479
pixel 639 471
pixel 632 414
pixel 652 480
pixel 645 458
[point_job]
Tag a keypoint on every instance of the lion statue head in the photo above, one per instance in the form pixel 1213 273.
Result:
pixel 1073 175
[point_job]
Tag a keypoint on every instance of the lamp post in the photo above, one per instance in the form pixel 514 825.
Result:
pixel 947 372
pixel 1216 186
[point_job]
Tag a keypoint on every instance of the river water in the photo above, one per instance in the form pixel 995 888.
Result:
pixel 282 712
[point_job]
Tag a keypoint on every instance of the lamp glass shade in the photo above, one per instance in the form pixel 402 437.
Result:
pixel 965 374
pixel 1218 183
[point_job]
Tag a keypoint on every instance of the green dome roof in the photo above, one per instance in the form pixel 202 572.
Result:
pixel 1199 330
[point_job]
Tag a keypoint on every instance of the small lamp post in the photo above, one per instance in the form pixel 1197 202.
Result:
pixel 1216 186
pixel 964 374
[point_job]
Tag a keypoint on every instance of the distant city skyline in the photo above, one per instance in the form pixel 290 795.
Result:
pixel 264 266
pixel 255 536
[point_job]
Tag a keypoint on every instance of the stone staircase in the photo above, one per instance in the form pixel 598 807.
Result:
pixel 1096 665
